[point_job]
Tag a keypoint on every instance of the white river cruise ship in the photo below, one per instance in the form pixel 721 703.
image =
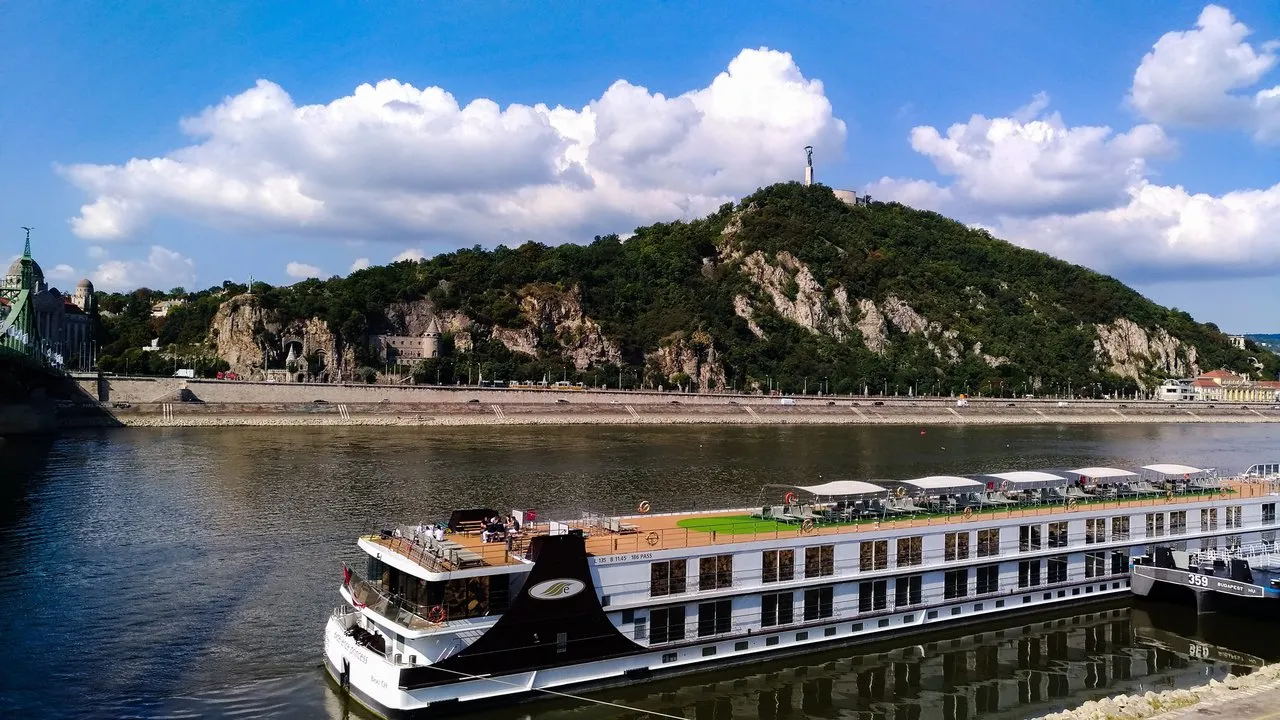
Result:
pixel 481 613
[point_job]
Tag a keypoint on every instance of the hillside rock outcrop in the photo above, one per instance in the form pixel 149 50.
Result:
pixel 1126 349
pixel 795 294
pixel 683 357
pixel 554 313
pixel 242 332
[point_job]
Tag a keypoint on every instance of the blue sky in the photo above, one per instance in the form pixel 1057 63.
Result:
pixel 138 141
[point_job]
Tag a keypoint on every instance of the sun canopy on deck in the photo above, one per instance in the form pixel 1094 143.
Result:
pixel 945 484
pixel 1103 473
pixel 842 487
pixel 1172 469
pixel 1029 479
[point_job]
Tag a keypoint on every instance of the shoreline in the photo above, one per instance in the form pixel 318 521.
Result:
pixel 1239 697
pixel 197 414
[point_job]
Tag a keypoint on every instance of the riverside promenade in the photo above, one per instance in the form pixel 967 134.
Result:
pixel 178 402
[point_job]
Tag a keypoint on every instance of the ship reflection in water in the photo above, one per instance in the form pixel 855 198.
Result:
pixel 1014 670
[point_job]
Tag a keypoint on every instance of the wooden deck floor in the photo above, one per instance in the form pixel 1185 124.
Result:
pixel 664 532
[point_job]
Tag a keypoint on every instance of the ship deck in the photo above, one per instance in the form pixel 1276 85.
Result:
pixel 671 531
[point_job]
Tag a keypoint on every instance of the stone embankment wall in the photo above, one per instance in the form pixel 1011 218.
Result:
pixel 1259 689
pixel 174 401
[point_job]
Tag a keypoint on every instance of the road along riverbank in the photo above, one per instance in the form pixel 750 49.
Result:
pixel 581 410
pixel 1255 696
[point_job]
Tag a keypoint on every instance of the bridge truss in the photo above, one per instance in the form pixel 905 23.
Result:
pixel 19 333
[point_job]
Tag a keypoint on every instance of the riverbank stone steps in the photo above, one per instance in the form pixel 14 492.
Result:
pixel 1238 697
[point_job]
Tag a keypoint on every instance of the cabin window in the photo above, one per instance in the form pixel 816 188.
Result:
pixel 667 577
pixel 820 561
pixel 715 618
pixel 1234 515
pixel 988 579
pixel 956 546
pixel 1155 524
pixel 910 551
pixel 873 595
pixel 956 583
pixel 1208 519
pixel 666 625
pixel 1120 527
pixel 1029 538
pixel 1095 564
pixel 1209 544
pixel 715 572
pixel 873 555
pixel 1095 530
pixel 818 602
pixel 777 609
pixel 907 591
pixel 1058 534
pixel 779 566
pixel 641 628
pixel 1268 513
pixel 1028 573
pixel 989 542
pixel 1057 569
pixel 1178 522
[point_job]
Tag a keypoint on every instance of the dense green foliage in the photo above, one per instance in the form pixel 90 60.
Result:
pixel 1022 305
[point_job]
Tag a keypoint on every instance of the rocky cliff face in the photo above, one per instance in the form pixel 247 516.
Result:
pixel 242 331
pixel 683 358
pixel 1125 348
pixel 553 313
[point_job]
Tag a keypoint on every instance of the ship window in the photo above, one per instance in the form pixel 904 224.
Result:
pixel 931 615
pixel 873 555
pixel 989 542
pixel 715 618
pixel 776 609
pixel 1029 538
pixel 883 622
pixel 668 657
pixel 642 628
pixel 667 577
pixel 740 646
pixel 820 561
pixel 907 591
pixel 1058 534
pixel 562 642
pixel 1120 527
pixel 818 601
pixel 771 641
pixel 872 595
pixel 802 636
pixel 1268 513
pixel 956 546
pixel 1234 514
pixel 956 583
pixel 1028 573
pixel 910 551
pixel 988 579
pixel 667 625
pixel 715 572
pixel 856 627
pixel 709 651
pixel 1095 530
pixel 1178 522
pixel 1208 519
pixel 778 566
pixel 1095 564
pixel 628 616
pixel 1057 570
pixel 828 632
pixel 1155 524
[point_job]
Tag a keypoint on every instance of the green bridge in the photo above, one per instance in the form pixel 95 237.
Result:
pixel 20 341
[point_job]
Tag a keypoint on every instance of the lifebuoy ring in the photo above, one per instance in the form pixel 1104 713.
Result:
pixel 1168 494
pixel 806 527
pixel 1071 503
pixel 900 492
pixel 1004 486
pixel 644 506
pixel 436 614
pixel 968 513
pixel 789 498
pixel 652 538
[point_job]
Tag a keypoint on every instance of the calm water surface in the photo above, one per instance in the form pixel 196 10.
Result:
pixel 188 572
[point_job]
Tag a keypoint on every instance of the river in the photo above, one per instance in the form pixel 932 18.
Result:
pixel 166 573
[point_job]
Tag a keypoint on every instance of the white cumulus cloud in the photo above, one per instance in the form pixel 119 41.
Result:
pixel 302 271
pixel 61 271
pixel 392 160
pixel 1085 194
pixel 359 264
pixel 1028 164
pixel 414 254
pixel 1203 77
pixel 162 268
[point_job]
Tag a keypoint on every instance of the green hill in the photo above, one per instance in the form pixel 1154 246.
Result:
pixel 789 289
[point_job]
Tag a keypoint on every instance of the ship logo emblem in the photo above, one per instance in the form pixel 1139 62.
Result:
pixel 558 589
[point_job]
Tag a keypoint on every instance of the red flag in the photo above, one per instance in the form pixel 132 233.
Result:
pixel 346 576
